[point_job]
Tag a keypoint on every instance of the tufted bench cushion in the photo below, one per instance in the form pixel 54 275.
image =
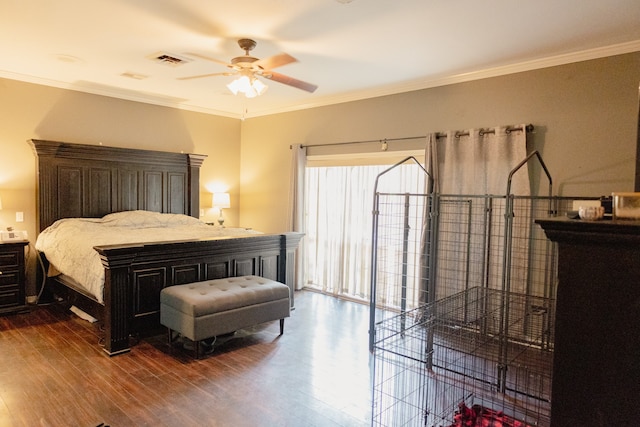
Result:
pixel 210 308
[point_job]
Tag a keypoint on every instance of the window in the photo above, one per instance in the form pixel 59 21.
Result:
pixel 338 214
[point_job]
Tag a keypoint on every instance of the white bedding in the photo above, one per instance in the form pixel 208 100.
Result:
pixel 68 243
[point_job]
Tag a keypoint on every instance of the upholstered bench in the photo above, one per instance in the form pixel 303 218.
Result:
pixel 203 310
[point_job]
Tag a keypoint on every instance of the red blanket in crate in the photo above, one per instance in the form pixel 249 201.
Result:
pixel 478 416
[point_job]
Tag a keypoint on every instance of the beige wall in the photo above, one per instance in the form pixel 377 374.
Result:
pixel 30 111
pixel 585 114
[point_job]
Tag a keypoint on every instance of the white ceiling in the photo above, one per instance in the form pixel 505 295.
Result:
pixel 351 50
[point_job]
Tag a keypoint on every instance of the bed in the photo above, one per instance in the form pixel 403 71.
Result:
pixel 92 181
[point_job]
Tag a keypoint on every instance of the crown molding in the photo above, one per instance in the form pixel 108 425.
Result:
pixel 546 62
pixel 112 92
pixel 420 84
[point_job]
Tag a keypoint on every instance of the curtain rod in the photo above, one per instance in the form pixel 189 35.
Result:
pixel 527 128
pixel 362 142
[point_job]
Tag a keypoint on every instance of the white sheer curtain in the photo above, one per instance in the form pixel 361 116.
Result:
pixel 339 203
pixel 296 205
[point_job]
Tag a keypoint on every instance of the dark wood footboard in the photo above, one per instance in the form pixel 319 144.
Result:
pixel 136 273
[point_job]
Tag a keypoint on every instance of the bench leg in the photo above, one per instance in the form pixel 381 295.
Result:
pixel 196 349
pixel 281 326
pixel 169 337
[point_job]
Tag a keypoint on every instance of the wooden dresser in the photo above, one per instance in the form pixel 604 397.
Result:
pixel 596 370
pixel 12 277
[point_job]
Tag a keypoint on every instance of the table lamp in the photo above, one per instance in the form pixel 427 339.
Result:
pixel 221 201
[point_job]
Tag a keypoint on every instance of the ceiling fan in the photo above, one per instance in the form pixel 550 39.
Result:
pixel 249 68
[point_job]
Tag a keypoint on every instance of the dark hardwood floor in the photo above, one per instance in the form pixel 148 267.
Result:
pixel 53 373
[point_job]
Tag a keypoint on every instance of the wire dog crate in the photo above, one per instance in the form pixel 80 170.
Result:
pixel 462 309
pixel 427 372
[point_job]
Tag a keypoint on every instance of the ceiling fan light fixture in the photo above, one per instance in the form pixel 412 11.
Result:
pixel 239 85
pixel 259 87
pixel 247 69
pixel 247 85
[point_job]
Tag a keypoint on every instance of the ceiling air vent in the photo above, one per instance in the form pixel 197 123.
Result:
pixel 168 59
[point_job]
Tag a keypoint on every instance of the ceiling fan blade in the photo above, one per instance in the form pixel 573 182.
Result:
pixel 275 61
pixel 281 78
pixel 208 58
pixel 205 75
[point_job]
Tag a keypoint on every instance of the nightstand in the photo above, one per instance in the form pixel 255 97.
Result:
pixel 12 277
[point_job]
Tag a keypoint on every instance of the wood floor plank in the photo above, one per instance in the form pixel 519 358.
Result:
pixel 53 372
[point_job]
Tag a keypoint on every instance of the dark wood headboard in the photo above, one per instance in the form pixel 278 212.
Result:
pixel 90 181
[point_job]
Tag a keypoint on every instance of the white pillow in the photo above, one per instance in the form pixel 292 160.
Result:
pixel 146 219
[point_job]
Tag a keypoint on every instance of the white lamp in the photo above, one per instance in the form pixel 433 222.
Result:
pixel 247 84
pixel 221 201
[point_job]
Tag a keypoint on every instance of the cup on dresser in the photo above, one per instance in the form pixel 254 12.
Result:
pixel 591 213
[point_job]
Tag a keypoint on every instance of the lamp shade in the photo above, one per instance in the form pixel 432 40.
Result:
pixel 0 204
pixel 221 200
pixel 248 85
